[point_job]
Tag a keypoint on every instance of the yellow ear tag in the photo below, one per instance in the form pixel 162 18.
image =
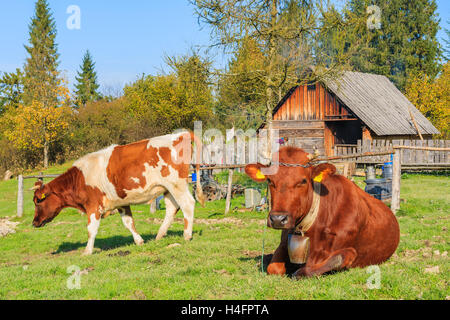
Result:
pixel 259 175
pixel 43 196
pixel 319 177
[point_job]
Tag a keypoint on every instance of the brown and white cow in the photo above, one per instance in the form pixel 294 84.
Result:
pixel 346 226
pixel 118 176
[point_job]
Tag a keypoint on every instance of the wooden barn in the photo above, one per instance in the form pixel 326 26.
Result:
pixel 357 106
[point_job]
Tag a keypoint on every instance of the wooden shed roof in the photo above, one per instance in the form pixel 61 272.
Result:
pixel 379 104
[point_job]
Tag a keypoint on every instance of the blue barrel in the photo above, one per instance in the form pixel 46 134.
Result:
pixel 379 188
pixel 387 170
pixel 194 177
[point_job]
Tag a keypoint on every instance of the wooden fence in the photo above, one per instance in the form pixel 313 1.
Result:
pixel 415 157
pixel 400 151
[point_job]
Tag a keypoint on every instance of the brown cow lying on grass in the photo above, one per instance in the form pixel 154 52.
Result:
pixel 346 227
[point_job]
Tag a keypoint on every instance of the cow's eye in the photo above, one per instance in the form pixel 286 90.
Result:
pixel 271 184
pixel 301 183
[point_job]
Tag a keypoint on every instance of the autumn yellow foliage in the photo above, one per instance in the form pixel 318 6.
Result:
pixel 432 98
pixel 36 125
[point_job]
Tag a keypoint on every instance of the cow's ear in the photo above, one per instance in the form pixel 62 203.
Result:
pixel 322 171
pixel 254 172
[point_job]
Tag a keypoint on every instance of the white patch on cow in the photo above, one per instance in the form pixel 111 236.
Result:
pixel 164 141
pixel 173 154
pixel 93 226
pixel 93 166
pixel 135 180
pixel 129 224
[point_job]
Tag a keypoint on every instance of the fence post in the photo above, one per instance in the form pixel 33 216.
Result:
pixel 230 181
pixel 396 176
pixel 20 197
pixel 153 206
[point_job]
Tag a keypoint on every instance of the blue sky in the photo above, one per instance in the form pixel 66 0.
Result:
pixel 126 38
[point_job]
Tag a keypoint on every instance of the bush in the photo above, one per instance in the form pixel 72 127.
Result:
pixel 103 123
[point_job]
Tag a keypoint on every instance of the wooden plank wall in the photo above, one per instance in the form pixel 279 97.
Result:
pixel 303 134
pixel 411 158
pixel 311 102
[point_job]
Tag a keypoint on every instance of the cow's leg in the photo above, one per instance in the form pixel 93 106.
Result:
pixel 171 209
pixel 280 257
pixel 186 202
pixel 128 222
pixel 188 213
pixel 338 260
pixel 93 224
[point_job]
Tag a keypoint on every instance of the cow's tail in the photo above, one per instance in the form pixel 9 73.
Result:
pixel 198 187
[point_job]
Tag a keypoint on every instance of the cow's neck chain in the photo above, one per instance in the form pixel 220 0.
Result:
pixel 311 216
pixel 283 164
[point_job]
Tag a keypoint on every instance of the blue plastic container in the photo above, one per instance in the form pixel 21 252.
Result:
pixel 194 177
pixel 387 170
pixel 379 188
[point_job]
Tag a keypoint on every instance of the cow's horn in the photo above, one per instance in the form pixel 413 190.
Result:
pixel 34 188
pixel 313 156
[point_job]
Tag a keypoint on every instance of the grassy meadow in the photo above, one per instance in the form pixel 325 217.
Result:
pixel 223 261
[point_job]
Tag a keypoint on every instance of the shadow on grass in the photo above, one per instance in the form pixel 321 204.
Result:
pixel 216 214
pixel 111 243
pixel 290 267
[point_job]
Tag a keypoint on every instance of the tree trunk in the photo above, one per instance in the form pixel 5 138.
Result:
pixel 46 154
pixel 269 97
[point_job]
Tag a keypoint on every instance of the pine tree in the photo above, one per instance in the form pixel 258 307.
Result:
pixel 405 45
pixel 446 48
pixel 42 81
pixel 86 87
pixel 41 67
pixel 11 87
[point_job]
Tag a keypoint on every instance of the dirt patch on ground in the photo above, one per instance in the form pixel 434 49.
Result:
pixel 119 253
pixel 420 254
pixel 7 227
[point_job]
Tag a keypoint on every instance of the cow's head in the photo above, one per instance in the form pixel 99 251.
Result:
pixel 47 204
pixel 291 188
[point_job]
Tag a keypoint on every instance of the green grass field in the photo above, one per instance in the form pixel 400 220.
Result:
pixel 223 261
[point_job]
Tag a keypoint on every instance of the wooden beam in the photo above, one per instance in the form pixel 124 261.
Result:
pixel 422 148
pixel 42 176
pixel 366 154
pixel 396 177
pixel 230 182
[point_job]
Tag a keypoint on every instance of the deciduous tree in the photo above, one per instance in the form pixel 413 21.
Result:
pixel 432 98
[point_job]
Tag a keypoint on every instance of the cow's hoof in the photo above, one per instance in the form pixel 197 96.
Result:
pixel 139 241
pixel 159 236
pixel 87 253
pixel 188 237
pixel 276 268
pixel 335 262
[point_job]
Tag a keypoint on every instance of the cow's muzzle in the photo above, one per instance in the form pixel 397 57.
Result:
pixel 280 220
pixel 40 224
